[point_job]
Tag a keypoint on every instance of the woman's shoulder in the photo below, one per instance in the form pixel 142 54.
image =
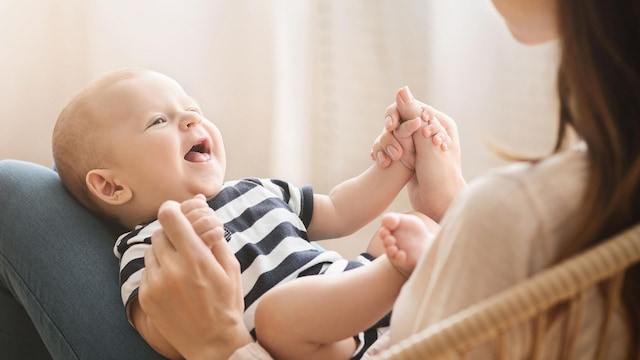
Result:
pixel 559 177
pixel 533 202
pixel 568 160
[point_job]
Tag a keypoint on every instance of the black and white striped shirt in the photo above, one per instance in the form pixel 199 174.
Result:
pixel 265 225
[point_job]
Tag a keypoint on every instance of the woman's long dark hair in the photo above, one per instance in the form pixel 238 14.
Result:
pixel 599 88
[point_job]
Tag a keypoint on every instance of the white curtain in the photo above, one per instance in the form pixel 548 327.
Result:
pixel 298 87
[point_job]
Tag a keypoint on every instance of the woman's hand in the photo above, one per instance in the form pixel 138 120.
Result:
pixel 191 286
pixel 403 119
pixel 426 140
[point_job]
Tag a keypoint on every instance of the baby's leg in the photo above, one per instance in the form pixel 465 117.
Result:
pixel 316 317
pixel 405 237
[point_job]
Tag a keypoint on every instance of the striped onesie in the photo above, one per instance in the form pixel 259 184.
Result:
pixel 265 225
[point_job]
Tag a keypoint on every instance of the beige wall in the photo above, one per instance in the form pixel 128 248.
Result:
pixel 297 87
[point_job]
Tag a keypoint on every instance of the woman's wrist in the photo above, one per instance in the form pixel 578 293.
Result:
pixel 252 351
pixel 224 345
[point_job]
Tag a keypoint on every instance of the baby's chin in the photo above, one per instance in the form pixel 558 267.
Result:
pixel 211 190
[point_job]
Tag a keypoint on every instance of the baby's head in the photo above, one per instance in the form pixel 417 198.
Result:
pixel 133 139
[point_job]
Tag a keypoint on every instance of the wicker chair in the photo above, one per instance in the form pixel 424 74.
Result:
pixel 531 301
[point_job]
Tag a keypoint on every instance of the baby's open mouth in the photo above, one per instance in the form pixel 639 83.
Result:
pixel 199 152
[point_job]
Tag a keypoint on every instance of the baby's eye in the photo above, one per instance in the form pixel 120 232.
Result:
pixel 158 121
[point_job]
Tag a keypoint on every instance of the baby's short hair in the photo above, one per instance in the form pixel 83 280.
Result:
pixel 76 144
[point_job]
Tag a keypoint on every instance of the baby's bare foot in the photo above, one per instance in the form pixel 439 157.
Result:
pixel 405 238
pixel 438 178
pixel 434 150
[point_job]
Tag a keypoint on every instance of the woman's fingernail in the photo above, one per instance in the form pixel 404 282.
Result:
pixel 392 152
pixel 406 95
pixel 388 122
pixel 380 157
pixel 425 116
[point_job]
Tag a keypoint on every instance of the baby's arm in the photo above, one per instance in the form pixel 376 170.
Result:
pixel 209 228
pixel 355 202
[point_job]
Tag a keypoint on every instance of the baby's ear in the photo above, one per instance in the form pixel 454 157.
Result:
pixel 106 187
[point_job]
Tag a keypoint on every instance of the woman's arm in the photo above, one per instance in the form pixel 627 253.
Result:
pixel 150 333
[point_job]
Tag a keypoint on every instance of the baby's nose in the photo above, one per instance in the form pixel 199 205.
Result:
pixel 190 120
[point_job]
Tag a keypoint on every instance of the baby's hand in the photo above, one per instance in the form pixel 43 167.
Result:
pixel 402 119
pixel 203 219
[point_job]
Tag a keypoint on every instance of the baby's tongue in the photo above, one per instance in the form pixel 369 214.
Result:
pixel 195 156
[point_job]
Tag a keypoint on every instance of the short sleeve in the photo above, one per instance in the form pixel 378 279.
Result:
pixel 299 199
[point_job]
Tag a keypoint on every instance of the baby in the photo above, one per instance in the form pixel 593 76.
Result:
pixel 133 139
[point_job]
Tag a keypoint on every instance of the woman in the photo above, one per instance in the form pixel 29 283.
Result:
pixel 524 218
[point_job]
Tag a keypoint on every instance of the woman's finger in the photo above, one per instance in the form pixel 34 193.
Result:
pixel 391 117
